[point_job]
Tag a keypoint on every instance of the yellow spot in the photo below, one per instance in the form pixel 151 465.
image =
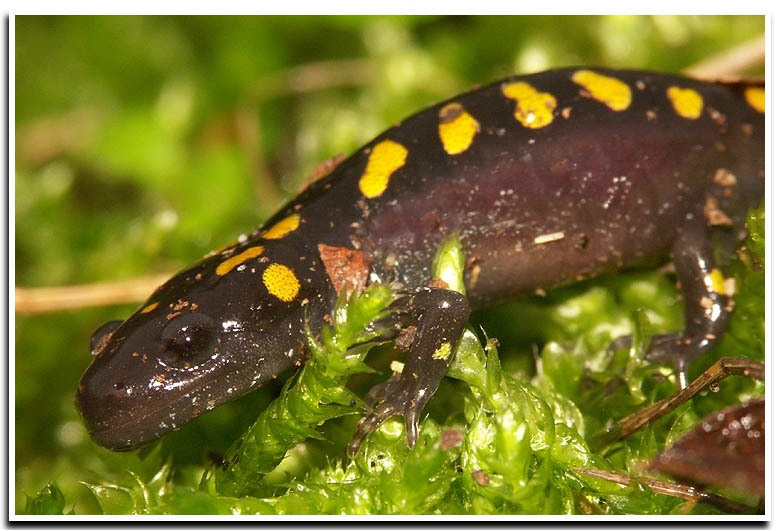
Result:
pixel 283 227
pixel 443 351
pixel 281 282
pixel 686 102
pixel 151 307
pixel 612 92
pixel 534 109
pixel 385 158
pixel 231 263
pixel 715 282
pixel 457 128
pixel 755 97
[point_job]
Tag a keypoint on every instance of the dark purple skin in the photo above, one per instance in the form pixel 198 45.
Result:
pixel 626 188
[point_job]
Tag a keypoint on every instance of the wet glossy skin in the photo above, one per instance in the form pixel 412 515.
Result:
pixel 597 171
pixel 149 378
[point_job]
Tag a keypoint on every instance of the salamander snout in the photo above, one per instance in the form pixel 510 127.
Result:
pixel 207 336
pixel 147 377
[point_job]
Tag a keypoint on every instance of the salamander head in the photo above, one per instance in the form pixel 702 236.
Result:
pixel 207 336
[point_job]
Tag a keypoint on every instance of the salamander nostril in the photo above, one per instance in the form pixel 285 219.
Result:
pixel 119 386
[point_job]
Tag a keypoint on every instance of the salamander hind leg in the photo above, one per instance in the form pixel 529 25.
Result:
pixel 439 316
pixel 708 303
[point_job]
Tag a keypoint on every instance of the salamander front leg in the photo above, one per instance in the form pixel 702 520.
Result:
pixel 439 316
pixel 707 304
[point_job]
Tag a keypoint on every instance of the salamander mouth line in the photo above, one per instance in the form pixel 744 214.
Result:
pixel 163 407
pixel 168 404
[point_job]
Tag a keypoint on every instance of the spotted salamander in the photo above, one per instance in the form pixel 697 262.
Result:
pixel 547 179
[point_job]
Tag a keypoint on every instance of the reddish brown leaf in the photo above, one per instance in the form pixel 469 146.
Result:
pixel 725 450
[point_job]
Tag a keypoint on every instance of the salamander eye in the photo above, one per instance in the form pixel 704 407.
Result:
pixel 102 335
pixel 189 339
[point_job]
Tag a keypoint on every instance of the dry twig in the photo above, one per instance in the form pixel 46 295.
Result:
pixel 311 77
pixel 682 491
pixel 721 369
pixel 730 63
pixel 69 297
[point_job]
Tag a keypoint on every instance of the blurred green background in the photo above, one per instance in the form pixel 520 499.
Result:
pixel 144 142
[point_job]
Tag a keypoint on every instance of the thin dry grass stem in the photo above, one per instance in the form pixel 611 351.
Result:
pixel 56 135
pixel 69 297
pixel 248 133
pixel 311 77
pixel 721 369
pixel 730 63
pixel 681 491
pixel 305 78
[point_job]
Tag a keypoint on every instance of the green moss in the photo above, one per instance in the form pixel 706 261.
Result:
pixel 514 447
pixel 162 140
